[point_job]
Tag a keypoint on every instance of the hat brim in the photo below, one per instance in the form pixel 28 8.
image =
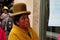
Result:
pixel 18 13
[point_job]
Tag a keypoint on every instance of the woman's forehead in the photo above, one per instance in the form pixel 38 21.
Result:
pixel 24 15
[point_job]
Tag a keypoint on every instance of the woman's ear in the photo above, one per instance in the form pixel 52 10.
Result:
pixel 17 22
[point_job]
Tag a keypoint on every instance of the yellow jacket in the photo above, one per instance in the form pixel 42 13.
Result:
pixel 18 34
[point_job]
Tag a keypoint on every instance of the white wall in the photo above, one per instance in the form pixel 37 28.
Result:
pixel 36 15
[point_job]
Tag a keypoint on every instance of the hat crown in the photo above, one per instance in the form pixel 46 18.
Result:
pixel 5 7
pixel 19 7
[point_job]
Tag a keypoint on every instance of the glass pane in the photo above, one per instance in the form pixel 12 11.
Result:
pixel 54 17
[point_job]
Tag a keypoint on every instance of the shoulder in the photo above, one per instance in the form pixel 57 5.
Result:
pixel 12 36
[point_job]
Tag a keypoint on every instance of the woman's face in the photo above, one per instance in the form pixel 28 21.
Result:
pixel 24 21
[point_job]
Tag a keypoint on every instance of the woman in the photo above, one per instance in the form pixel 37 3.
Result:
pixel 21 29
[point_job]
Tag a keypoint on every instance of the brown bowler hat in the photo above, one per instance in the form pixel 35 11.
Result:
pixel 19 8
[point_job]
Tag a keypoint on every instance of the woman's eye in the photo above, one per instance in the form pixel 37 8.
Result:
pixel 23 18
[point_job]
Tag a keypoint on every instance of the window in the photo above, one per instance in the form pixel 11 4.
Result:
pixel 54 17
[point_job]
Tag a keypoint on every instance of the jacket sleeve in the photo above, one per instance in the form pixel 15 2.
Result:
pixel 13 37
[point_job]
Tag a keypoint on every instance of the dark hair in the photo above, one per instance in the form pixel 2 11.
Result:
pixel 5 9
pixel 16 18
